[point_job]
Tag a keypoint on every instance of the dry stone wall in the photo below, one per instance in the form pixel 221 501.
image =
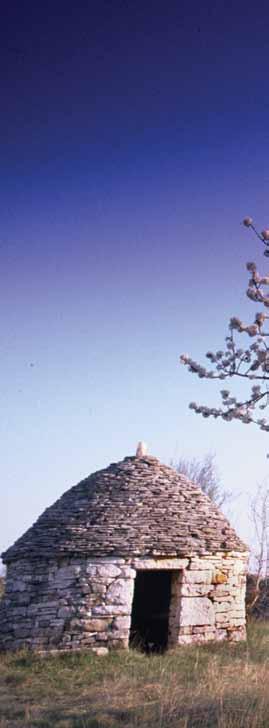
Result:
pixel 211 598
pixel 81 603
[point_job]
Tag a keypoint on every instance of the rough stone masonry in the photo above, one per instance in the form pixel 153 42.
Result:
pixel 71 577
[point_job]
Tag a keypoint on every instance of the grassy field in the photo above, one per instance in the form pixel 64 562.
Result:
pixel 215 686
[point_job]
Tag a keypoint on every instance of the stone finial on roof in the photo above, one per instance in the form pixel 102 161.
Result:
pixel 141 449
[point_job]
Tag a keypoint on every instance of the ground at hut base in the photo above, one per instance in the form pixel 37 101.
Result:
pixel 218 686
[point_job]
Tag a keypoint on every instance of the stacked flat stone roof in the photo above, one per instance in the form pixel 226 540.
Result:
pixel 137 507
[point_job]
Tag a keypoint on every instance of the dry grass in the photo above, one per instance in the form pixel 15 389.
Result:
pixel 218 686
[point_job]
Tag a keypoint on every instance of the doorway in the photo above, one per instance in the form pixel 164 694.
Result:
pixel 150 610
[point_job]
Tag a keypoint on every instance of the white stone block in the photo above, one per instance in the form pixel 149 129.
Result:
pixel 100 651
pixel 127 572
pixel 203 564
pixel 65 574
pixel 108 570
pixel 96 625
pixel 121 592
pixel 91 569
pixel 194 590
pixel 110 560
pixel 223 617
pixel 197 577
pixel 169 563
pixel 65 612
pixel 111 610
pixel 185 639
pixel 97 587
pixel 122 623
pixel 222 607
pixel 196 611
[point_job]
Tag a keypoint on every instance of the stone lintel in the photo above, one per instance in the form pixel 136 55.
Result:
pixel 165 563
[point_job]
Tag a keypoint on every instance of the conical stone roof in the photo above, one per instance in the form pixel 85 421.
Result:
pixel 137 507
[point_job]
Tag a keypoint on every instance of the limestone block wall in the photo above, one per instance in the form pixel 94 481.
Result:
pixel 87 603
pixel 75 604
pixel 211 599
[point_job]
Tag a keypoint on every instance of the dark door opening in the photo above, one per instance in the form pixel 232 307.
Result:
pixel 150 610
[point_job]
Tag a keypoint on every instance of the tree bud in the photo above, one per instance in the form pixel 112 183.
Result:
pixel 265 234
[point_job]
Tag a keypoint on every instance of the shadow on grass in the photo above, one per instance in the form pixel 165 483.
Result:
pixel 117 718
pixel 207 714
pixel 241 710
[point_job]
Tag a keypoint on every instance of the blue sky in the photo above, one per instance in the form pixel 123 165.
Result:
pixel 134 141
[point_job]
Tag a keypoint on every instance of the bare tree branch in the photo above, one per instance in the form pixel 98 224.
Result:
pixel 259 514
pixel 205 474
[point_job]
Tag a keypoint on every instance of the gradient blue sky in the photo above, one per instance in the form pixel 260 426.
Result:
pixel 134 140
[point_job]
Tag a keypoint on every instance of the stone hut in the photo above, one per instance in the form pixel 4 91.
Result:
pixel 134 554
